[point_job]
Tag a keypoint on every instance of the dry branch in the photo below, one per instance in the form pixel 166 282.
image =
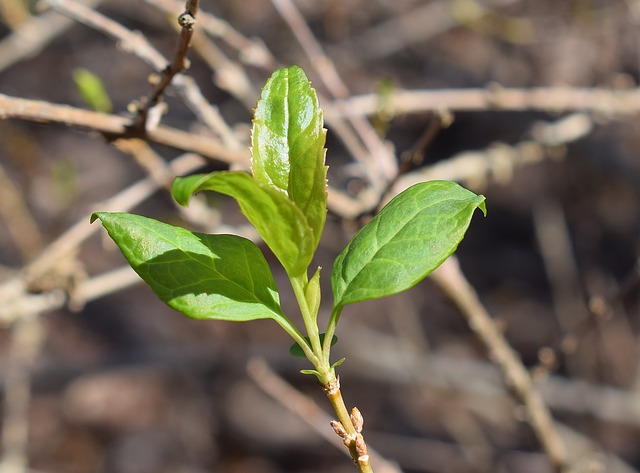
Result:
pixel 137 44
pixel 30 37
pixel 179 64
pixel 113 126
pixel 544 99
pixel 452 281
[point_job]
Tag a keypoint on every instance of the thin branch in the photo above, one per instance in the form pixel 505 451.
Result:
pixel 415 26
pixel 545 99
pixel 233 79
pixel 476 380
pixel 20 224
pixel 451 280
pixel 14 293
pixel 498 162
pixel 31 36
pixel 26 340
pixel 133 42
pixel 179 64
pixel 563 273
pixel 114 126
pixel 250 51
pixel 137 44
pixel 305 409
pixel 102 285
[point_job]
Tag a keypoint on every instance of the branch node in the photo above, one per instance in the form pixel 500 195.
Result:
pixel 186 20
pixel 333 387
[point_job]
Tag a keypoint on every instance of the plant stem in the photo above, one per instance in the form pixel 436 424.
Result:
pixel 348 427
pixel 299 284
pixel 298 338
pixel 331 328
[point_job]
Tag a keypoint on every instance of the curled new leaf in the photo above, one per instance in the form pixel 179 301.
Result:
pixel 405 242
pixel 288 144
pixel 203 276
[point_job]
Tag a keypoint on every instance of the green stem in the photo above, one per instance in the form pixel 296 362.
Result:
pixel 331 329
pixel 299 284
pixel 293 331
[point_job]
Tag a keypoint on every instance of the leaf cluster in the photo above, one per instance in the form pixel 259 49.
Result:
pixel 227 277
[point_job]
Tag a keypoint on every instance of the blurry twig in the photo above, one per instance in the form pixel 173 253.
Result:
pixel 476 380
pixel 417 26
pixel 545 99
pixel 115 126
pixel 555 246
pixel 26 338
pixel 452 281
pixel 229 74
pixel 18 219
pixel 31 36
pixel 250 51
pixel 14 293
pixel 129 41
pixel 137 44
pixel 306 409
pixel 498 161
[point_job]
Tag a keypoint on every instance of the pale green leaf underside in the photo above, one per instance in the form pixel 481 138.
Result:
pixel 276 218
pixel 222 277
pixel 406 241
pixel 288 144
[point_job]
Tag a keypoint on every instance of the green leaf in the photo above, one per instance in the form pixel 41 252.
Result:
pixel 288 144
pixel 405 242
pixel 203 276
pixel 313 294
pixel 278 221
pixel 92 90
pixel 296 350
pixel 313 372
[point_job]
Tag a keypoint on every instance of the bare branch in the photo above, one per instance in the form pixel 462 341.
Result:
pixel 544 99
pixel 453 282
pixel 179 64
pixel 30 37
pixel 137 44
pixel 114 126
pixel 305 409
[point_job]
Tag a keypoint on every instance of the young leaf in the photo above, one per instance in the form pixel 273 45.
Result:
pixel 92 90
pixel 288 144
pixel 313 294
pixel 203 276
pixel 407 240
pixel 278 221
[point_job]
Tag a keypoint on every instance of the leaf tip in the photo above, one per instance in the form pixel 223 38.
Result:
pixel 482 205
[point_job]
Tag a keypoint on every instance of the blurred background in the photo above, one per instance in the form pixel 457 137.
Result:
pixel 99 376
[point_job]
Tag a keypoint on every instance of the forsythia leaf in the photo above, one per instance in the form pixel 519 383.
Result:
pixel 407 240
pixel 203 276
pixel 288 144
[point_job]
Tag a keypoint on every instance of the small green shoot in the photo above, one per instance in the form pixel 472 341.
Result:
pixel 226 277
